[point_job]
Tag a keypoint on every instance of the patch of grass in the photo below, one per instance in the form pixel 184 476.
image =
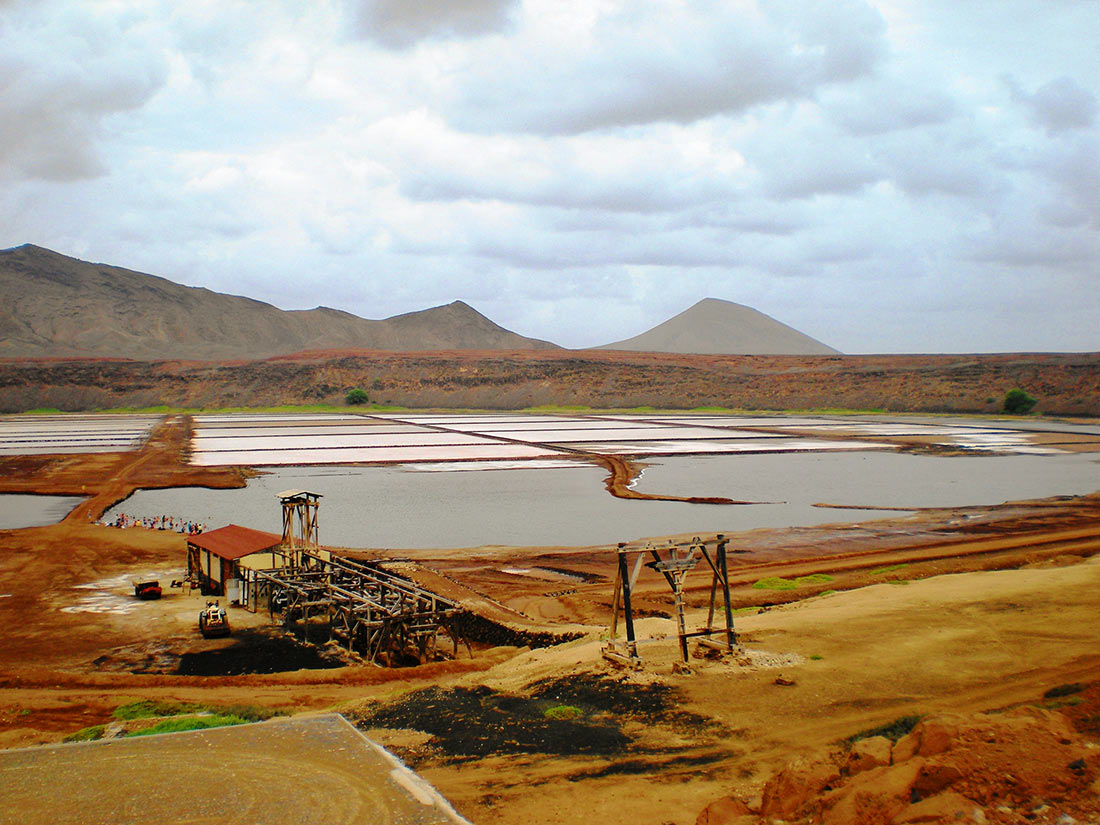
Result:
pixel 816 657
pixel 178 724
pixel 891 730
pixel 893 568
pixel 148 709
pixel 901 582
pixel 779 583
pixel 826 593
pixel 563 712
pixel 557 408
pixel 775 583
pixel 1064 690
pixel 814 578
pixel 43 411
pixel 86 734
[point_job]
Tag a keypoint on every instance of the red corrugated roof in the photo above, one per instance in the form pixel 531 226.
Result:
pixel 234 542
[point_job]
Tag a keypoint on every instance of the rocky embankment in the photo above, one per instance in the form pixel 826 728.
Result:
pixel 1025 765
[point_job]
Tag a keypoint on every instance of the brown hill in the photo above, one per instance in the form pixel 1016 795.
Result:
pixel 716 327
pixel 60 307
pixel 1066 383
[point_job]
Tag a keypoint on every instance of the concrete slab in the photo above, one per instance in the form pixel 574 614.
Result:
pixel 316 769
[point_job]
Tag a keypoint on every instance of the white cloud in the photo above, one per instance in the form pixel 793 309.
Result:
pixel 665 62
pixel 64 72
pixel 402 23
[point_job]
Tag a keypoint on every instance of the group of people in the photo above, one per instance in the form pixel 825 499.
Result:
pixel 178 525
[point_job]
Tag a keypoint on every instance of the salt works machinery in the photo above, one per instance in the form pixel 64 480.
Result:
pixel 383 617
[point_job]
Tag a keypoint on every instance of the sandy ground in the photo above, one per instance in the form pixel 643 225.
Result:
pixel 965 642
pixel 966 610
pixel 337 776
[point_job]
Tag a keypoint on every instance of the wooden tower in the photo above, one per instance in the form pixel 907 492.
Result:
pixel 299 524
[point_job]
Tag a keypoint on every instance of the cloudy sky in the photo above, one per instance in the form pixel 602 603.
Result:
pixel 888 176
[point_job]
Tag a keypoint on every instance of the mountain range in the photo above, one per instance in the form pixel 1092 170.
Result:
pixel 62 307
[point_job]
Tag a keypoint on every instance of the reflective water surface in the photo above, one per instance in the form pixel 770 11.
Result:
pixel 19 510
pixel 404 506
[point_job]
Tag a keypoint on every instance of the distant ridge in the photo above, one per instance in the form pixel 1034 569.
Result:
pixel 57 306
pixel 717 327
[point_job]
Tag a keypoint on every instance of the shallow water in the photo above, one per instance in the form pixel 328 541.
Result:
pixel 18 510
pixel 397 507
pixel 875 479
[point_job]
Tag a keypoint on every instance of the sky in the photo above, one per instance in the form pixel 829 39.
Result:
pixel 894 176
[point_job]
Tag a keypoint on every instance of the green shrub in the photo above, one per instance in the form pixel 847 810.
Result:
pixel 356 397
pixel 1018 402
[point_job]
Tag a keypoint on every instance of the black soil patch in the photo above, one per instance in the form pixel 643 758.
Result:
pixel 478 721
pixel 634 767
pixel 581 715
pixel 478 629
pixel 654 703
pixel 256 652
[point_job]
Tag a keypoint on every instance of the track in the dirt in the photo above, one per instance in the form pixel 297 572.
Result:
pixel 1077 541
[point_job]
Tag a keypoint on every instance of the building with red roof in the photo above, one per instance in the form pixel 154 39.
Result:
pixel 216 558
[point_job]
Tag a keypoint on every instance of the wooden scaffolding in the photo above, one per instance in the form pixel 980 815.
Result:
pixel 674 566
pixel 385 618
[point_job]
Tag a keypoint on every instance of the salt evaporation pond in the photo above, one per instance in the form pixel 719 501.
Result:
pixel 19 510
pixel 405 507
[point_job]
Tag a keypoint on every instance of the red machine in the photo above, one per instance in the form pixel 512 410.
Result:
pixel 147 590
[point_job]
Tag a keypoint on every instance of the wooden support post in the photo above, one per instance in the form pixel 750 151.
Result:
pixel 628 610
pixel 616 596
pixel 720 553
pixel 624 585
